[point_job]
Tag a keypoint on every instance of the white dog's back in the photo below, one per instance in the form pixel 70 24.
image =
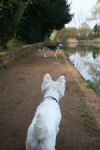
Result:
pixel 44 126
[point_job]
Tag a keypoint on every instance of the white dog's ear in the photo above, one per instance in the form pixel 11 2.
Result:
pixel 47 77
pixel 46 81
pixel 61 79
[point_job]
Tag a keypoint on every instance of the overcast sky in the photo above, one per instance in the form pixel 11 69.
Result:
pixel 81 10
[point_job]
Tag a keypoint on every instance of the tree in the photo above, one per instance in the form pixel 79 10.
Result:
pixel 10 15
pixel 96 10
pixel 97 29
pixel 84 29
pixel 96 15
pixel 85 26
pixel 7 20
pixel 41 17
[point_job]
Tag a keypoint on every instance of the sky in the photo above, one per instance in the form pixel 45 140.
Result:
pixel 82 10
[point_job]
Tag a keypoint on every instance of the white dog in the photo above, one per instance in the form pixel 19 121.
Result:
pixel 42 131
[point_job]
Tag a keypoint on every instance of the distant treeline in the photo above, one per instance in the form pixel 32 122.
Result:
pixel 82 33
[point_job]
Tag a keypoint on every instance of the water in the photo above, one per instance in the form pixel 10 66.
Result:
pixel 86 60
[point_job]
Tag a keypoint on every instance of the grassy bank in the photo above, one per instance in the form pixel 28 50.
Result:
pixel 94 86
pixel 89 119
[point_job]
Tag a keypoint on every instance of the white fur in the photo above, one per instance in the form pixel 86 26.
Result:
pixel 44 127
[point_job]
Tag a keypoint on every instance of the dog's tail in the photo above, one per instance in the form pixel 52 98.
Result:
pixel 40 129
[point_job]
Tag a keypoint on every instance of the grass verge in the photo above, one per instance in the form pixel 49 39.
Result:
pixel 95 87
pixel 91 122
pixel 89 119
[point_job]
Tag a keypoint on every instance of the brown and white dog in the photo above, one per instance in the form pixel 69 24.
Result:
pixel 51 47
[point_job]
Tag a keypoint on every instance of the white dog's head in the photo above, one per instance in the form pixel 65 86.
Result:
pixel 53 88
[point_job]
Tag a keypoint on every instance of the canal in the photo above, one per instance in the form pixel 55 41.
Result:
pixel 86 60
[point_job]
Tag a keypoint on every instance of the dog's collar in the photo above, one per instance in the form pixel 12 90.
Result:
pixel 52 98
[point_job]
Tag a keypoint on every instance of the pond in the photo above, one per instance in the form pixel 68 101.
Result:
pixel 86 60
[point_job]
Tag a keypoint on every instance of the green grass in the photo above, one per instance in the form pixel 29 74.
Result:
pixel 60 56
pixel 93 86
pixel 4 66
pixel 90 121
pixel 13 45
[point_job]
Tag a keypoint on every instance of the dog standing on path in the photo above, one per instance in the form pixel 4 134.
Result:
pixel 51 47
pixel 44 127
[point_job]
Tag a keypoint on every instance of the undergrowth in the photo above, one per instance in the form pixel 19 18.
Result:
pixel 4 66
pixel 13 45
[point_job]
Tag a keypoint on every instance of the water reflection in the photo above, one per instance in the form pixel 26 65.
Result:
pixel 87 61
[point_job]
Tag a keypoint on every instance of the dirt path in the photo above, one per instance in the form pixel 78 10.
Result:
pixel 20 93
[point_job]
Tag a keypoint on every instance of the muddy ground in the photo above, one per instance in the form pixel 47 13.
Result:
pixel 20 94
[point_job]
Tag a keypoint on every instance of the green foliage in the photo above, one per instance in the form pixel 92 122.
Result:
pixel 94 86
pixel 97 30
pixel 4 66
pixel 91 84
pixel 12 45
pixel 8 20
pixel 41 17
pixel 31 20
